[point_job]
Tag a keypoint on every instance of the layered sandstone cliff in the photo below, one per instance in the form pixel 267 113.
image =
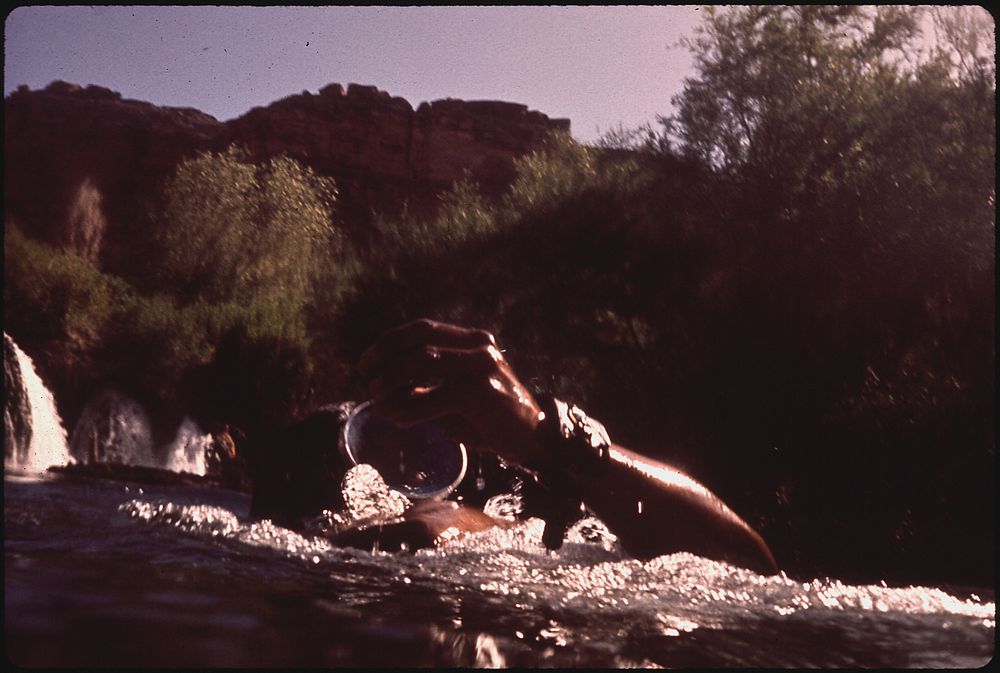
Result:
pixel 85 159
pixel 84 165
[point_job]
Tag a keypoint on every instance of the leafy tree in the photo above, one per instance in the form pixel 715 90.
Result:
pixel 855 205
pixel 235 231
pixel 841 138
pixel 808 106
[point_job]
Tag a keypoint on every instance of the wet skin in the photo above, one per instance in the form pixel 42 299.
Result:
pixel 423 525
pixel 459 379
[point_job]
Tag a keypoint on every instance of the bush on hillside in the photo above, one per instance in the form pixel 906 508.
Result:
pixel 236 231
pixel 93 330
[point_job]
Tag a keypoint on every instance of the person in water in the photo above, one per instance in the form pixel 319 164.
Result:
pixel 458 378
pixel 223 460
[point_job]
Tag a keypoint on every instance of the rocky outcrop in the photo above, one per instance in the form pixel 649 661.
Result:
pixel 85 157
pixel 382 151
pixel 71 150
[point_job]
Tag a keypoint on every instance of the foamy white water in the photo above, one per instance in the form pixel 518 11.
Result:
pixel 119 427
pixel 588 598
pixel 190 562
pixel 47 446
pixel 187 452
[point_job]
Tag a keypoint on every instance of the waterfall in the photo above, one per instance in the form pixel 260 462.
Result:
pixel 187 452
pixel 34 437
pixel 113 428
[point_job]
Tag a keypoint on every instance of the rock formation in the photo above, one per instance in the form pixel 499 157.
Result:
pixel 85 158
pixel 68 143
pixel 381 151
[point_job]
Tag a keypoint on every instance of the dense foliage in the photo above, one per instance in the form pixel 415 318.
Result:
pixel 787 290
pixel 858 201
pixel 233 230
pixel 213 324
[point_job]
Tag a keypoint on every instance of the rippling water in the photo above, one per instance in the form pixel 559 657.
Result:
pixel 102 572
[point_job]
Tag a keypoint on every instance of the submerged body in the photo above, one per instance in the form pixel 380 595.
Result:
pixel 458 378
pixel 422 525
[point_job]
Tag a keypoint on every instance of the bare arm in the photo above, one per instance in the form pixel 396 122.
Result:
pixel 656 509
pixel 458 378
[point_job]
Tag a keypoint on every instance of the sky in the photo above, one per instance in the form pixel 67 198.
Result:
pixel 601 67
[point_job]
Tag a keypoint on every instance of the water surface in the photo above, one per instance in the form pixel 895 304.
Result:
pixel 101 572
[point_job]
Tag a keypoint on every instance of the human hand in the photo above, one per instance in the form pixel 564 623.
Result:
pixel 457 378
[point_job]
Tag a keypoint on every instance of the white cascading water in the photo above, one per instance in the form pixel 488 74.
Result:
pixel 116 428
pixel 47 444
pixel 187 452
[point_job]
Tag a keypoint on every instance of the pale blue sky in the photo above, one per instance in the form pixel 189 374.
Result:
pixel 598 66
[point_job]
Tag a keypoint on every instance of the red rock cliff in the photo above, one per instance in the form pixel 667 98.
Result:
pixel 69 144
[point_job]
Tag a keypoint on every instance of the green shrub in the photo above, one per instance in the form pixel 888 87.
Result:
pixel 95 330
pixel 52 294
pixel 236 231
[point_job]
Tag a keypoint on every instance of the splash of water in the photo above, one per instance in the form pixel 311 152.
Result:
pixel 187 452
pixel 683 591
pixel 113 429
pixel 586 597
pixel 34 435
pixel 367 495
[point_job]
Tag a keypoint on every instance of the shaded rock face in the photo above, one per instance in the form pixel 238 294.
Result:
pixel 69 149
pixel 366 133
pixel 72 150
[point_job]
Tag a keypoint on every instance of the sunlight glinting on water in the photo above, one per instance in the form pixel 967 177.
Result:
pixel 680 592
pixel 366 494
